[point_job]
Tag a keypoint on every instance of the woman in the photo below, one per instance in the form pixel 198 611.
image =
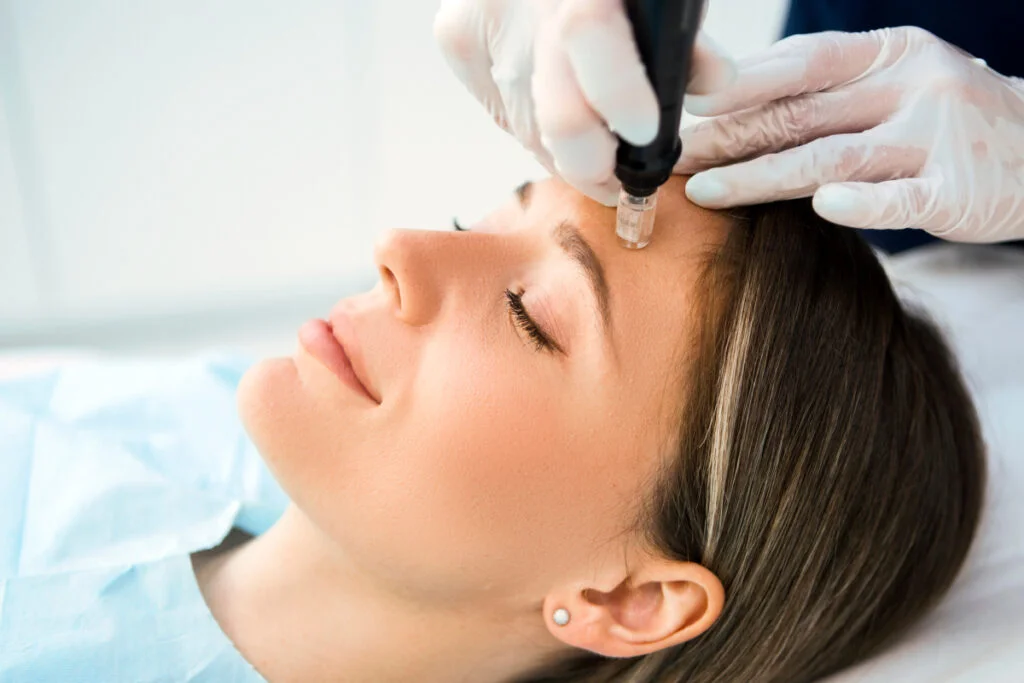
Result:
pixel 733 456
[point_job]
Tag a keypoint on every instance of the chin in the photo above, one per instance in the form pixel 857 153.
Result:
pixel 262 389
pixel 269 399
pixel 286 407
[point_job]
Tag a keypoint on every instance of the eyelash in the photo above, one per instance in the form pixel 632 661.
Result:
pixel 521 318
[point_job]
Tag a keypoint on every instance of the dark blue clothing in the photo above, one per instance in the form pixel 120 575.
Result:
pixel 990 29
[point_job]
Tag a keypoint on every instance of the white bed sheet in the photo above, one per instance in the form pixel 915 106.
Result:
pixel 976 634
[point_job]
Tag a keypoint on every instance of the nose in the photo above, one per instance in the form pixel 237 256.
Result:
pixel 416 270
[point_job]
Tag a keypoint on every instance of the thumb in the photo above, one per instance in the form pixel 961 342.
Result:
pixel 712 68
pixel 891 205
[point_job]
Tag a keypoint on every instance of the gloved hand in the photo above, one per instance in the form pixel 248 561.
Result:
pixel 560 75
pixel 888 129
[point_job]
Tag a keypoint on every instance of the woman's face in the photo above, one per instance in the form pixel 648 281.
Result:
pixel 524 384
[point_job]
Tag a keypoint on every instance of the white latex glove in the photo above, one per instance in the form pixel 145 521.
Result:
pixel 888 129
pixel 560 75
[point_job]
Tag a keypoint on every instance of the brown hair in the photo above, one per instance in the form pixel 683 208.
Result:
pixel 830 466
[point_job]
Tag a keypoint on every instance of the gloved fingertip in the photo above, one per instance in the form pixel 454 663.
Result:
pixel 713 68
pixel 605 193
pixel 608 197
pixel 639 130
pixel 612 79
pixel 701 105
pixel 708 191
pixel 841 205
pixel 584 159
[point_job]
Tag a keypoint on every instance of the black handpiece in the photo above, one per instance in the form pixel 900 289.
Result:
pixel 665 32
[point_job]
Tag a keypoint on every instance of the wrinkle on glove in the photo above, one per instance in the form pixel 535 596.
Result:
pixel 888 129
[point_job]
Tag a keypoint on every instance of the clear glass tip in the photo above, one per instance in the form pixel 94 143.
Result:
pixel 634 219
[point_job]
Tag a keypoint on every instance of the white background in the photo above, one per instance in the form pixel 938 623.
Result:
pixel 179 174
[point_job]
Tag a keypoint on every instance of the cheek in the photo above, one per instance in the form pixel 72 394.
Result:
pixel 466 466
pixel 498 471
pixel 466 481
pixel 493 471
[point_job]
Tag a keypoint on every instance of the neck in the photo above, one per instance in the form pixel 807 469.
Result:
pixel 298 612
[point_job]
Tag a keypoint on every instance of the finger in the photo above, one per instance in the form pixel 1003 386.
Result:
pixel 460 29
pixel 782 124
pixel 801 171
pixel 597 40
pixel 511 73
pixel 712 70
pixel 891 205
pixel 798 65
pixel 581 145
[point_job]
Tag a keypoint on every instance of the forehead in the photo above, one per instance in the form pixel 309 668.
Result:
pixel 683 230
pixel 652 290
pixel 652 285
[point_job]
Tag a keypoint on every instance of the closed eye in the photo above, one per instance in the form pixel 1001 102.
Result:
pixel 520 316
pixel 521 319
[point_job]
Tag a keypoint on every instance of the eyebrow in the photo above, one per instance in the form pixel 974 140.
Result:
pixel 571 241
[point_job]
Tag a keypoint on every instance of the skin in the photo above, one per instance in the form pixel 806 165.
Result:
pixel 433 534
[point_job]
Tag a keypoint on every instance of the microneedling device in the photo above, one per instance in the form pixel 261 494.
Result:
pixel 665 32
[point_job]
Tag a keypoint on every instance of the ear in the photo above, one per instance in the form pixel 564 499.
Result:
pixel 663 603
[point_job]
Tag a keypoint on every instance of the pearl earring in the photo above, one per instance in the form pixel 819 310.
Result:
pixel 561 616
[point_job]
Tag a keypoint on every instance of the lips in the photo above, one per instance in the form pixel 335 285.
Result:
pixel 334 345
